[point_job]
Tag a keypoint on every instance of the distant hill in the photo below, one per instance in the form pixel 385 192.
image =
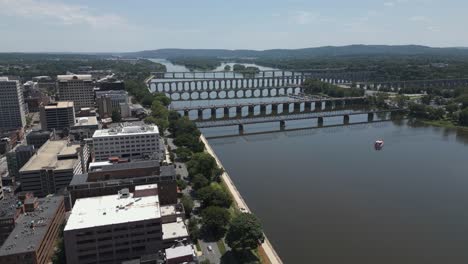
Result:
pixel 351 50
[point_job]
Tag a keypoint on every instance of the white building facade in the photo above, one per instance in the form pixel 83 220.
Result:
pixel 131 142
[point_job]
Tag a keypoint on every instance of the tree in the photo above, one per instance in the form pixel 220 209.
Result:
pixel 199 181
pixel 463 100
pixel 426 99
pixel 116 117
pixel 245 232
pixel 183 154
pixel 214 195
pixel 227 68
pixel 181 184
pixel 451 108
pixel 215 219
pixel 187 202
pixel 202 163
pixel 193 228
pixel 162 98
pixel 463 117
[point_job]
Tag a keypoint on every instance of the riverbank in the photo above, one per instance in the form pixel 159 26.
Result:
pixel 241 204
pixel 443 123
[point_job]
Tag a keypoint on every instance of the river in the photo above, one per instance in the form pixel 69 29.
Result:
pixel 327 196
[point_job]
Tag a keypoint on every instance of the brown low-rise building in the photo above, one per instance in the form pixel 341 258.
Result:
pixel 36 229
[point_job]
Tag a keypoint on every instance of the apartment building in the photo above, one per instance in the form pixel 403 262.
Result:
pixel 58 116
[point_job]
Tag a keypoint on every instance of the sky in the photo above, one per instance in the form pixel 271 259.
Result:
pixel 135 25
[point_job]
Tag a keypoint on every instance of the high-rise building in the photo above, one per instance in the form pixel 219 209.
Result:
pixel 53 167
pixel 108 101
pixel 58 116
pixel 76 88
pixel 12 112
pixel 124 226
pixel 132 142
pixel 38 138
pixel 33 227
pixel 17 158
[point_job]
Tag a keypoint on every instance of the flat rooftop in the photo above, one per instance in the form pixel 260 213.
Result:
pixel 111 210
pixel 168 210
pixel 174 230
pixel 180 251
pixel 82 77
pixel 86 121
pixel 61 104
pixel 129 130
pixel 26 239
pixel 46 156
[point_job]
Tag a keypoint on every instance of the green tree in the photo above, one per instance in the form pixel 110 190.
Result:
pixel 451 108
pixel 194 229
pixel 116 117
pixel 215 220
pixel 214 195
pixel 183 154
pixel 202 163
pixel 199 181
pixel 162 98
pixel 463 100
pixel 245 232
pixel 426 99
pixel 227 68
pixel 187 202
pixel 463 117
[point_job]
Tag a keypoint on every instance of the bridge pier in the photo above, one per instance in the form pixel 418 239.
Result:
pixel 241 129
pixel 370 117
pixel 213 113
pixel 320 122
pixel 346 119
pixel 239 111
pixel 328 105
pixel 226 112
pixel 282 125
pixel 186 113
pixel 307 106
pixel 263 109
pixel 200 114
pixel 274 109
pixel 286 108
pixel 297 107
pixel 318 106
pixel 251 110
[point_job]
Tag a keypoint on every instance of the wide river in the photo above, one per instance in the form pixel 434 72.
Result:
pixel 327 196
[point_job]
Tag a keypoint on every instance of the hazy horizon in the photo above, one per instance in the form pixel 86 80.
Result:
pixel 86 26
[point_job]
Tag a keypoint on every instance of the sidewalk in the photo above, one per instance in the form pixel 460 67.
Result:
pixel 241 204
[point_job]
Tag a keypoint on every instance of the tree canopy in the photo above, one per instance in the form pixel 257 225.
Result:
pixel 245 232
pixel 214 195
pixel 215 220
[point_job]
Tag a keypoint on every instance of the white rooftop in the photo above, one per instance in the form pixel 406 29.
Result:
pixel 130 130
pixel 82 77
pixel 174 230
pixel 180 251
pixel 111 210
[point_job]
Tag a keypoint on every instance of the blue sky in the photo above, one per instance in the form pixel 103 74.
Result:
pixel 133 25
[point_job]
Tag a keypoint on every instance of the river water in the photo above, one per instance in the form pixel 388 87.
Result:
pixel 327 196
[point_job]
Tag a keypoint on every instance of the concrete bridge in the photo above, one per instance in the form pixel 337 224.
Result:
pixel 298 105
pixel 329 74
pixel 239 93
pixel 171 86
pixel 346 114
pixel 447 83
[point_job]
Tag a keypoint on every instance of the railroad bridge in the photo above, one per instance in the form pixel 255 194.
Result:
pixel 320 116
pixel 447 83
pixel 319 104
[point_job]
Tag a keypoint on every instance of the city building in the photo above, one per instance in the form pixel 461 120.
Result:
pixel 45 84
pixel 109 101
pixel 53 167
pixel 120 227
pixel 34 226
pixel 17 158
pixel 107 84
pixel 9 139
pixel 76 88
pixel 84 128
pixel 132 142
pixel 12 112
pixel 108 179
pixel 38 138
pixel 58 116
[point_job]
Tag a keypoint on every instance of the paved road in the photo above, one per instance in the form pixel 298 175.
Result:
pixel 214 256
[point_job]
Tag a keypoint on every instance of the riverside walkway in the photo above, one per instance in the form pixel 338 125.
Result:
pixel 241 204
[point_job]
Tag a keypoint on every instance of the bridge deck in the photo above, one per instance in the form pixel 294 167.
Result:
pixel 288 101
pixel 231 89
pixel 267 119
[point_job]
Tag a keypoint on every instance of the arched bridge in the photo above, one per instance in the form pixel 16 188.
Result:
pixel 447 83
